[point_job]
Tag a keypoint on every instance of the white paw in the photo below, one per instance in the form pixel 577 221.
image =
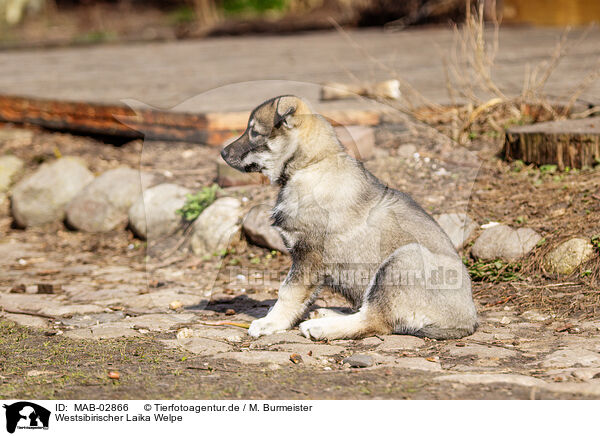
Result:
pixel 313 329
pixel 266 326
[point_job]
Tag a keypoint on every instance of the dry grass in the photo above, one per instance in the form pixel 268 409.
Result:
pixel 480 103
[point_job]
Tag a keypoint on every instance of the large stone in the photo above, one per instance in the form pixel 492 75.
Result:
pixel 513 379
pixel 41 198
pixel 287 337
pixel 229 334
pixel 104 331
pixel 359 141
pixel 315 350
pixel 418 363
pixel 10 166
pixel 103 204
pixel 400 342
pixel 565 258
pixel 481 351
pixel 261 357
pixel 203 346
pixel 216 225
pixel 154 215
pixel 504 242
pixel 571 357
pixel 258 229
pixel 458 226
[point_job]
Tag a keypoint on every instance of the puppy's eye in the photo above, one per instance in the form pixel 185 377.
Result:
pixel 253 133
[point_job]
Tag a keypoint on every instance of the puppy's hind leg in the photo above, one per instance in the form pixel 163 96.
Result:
pixel 359 324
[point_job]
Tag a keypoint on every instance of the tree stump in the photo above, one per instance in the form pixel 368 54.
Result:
pixel 565 143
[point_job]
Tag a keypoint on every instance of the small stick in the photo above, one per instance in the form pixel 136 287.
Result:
pixel 26 312
pixel 243 325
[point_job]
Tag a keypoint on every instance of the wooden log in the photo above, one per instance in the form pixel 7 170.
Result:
pixel 565 143
pixel 123 122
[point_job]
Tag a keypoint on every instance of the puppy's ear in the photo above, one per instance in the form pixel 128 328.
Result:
pixel 285 107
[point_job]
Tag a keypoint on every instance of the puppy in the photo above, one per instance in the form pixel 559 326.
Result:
pixel 348 232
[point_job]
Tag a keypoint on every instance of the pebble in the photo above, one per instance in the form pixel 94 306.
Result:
pixel 359 361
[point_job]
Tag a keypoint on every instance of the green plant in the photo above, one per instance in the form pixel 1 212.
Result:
pixel 196 203
pixel 518 166
pixel 182 15
pixel 520 219
pixel 548 169
pixel 596 242
pixel 233 7
pixel 495 271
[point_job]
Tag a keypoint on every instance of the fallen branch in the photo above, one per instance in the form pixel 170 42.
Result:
pixel 26 312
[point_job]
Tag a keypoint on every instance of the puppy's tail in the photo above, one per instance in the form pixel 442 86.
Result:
pixel 434 332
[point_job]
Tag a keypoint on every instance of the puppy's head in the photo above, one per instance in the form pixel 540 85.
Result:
pixel 271 139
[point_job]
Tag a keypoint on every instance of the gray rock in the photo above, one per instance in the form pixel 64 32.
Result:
pixel 565 258
pixel 359 361
pixel 161 299
pixel 229 334
pixel 258 229
pixel 481 351
pixel 534 315
pixel 153 214
pixel 400 342
pixel 216 225
pixel 585 374
pixel 289 337
pixel 104 331
pixel 418 363
pixel 504 242
pixel 568 358
pixel 315 350
pixel 89 320
pixel 103 204
pixel 513 379
pixel 28 320
pixel 458 226
pixel 206 347
pixel 159 321
pixel 10 166
pixel 41 198
pixel 261 357
pixel 67 310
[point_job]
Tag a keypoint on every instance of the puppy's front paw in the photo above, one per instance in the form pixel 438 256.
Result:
pixel 313 329
pixel 265 326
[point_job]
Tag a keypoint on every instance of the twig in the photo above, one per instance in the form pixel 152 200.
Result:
pixel 26 312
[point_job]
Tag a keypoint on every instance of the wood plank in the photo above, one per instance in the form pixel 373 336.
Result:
pixel 121 121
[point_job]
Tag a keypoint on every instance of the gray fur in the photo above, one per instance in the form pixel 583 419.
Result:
pixel 347 231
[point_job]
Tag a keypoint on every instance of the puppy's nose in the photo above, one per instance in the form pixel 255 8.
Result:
pixel 224 154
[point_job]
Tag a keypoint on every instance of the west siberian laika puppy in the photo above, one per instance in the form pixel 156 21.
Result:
pixel 348 232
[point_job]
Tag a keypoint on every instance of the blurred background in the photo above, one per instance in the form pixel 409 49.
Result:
pixel 62 22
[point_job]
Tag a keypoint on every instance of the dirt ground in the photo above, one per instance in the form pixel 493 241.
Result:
pixel 539 335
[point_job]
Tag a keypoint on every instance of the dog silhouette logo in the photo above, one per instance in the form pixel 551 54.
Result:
pixel 26 415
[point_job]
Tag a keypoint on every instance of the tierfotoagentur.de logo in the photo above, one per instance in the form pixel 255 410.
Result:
pixel 25 415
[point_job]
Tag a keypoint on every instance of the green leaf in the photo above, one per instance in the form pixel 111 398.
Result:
pixel 196 203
